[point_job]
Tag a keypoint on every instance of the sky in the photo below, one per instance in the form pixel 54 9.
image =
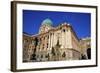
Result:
pixel 81 22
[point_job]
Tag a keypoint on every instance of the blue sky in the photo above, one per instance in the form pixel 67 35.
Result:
pixel 81 22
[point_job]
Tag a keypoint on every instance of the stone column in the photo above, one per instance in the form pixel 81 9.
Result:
pixel 49 44
pixel 53 39
pixel 65 39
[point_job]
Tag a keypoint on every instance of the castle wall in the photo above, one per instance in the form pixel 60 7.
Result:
pixel 59 43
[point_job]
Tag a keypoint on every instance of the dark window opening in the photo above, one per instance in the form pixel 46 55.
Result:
pixel 89 53
pixel 41 56
pixel 36 42
pixel 33 57
pixel 47 45
pixel 46 56
pixel 53 51
pixel 63 30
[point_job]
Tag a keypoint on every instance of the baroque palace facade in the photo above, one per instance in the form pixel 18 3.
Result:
pixel 54 44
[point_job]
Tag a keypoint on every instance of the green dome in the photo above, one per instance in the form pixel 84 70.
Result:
pixel 47 22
